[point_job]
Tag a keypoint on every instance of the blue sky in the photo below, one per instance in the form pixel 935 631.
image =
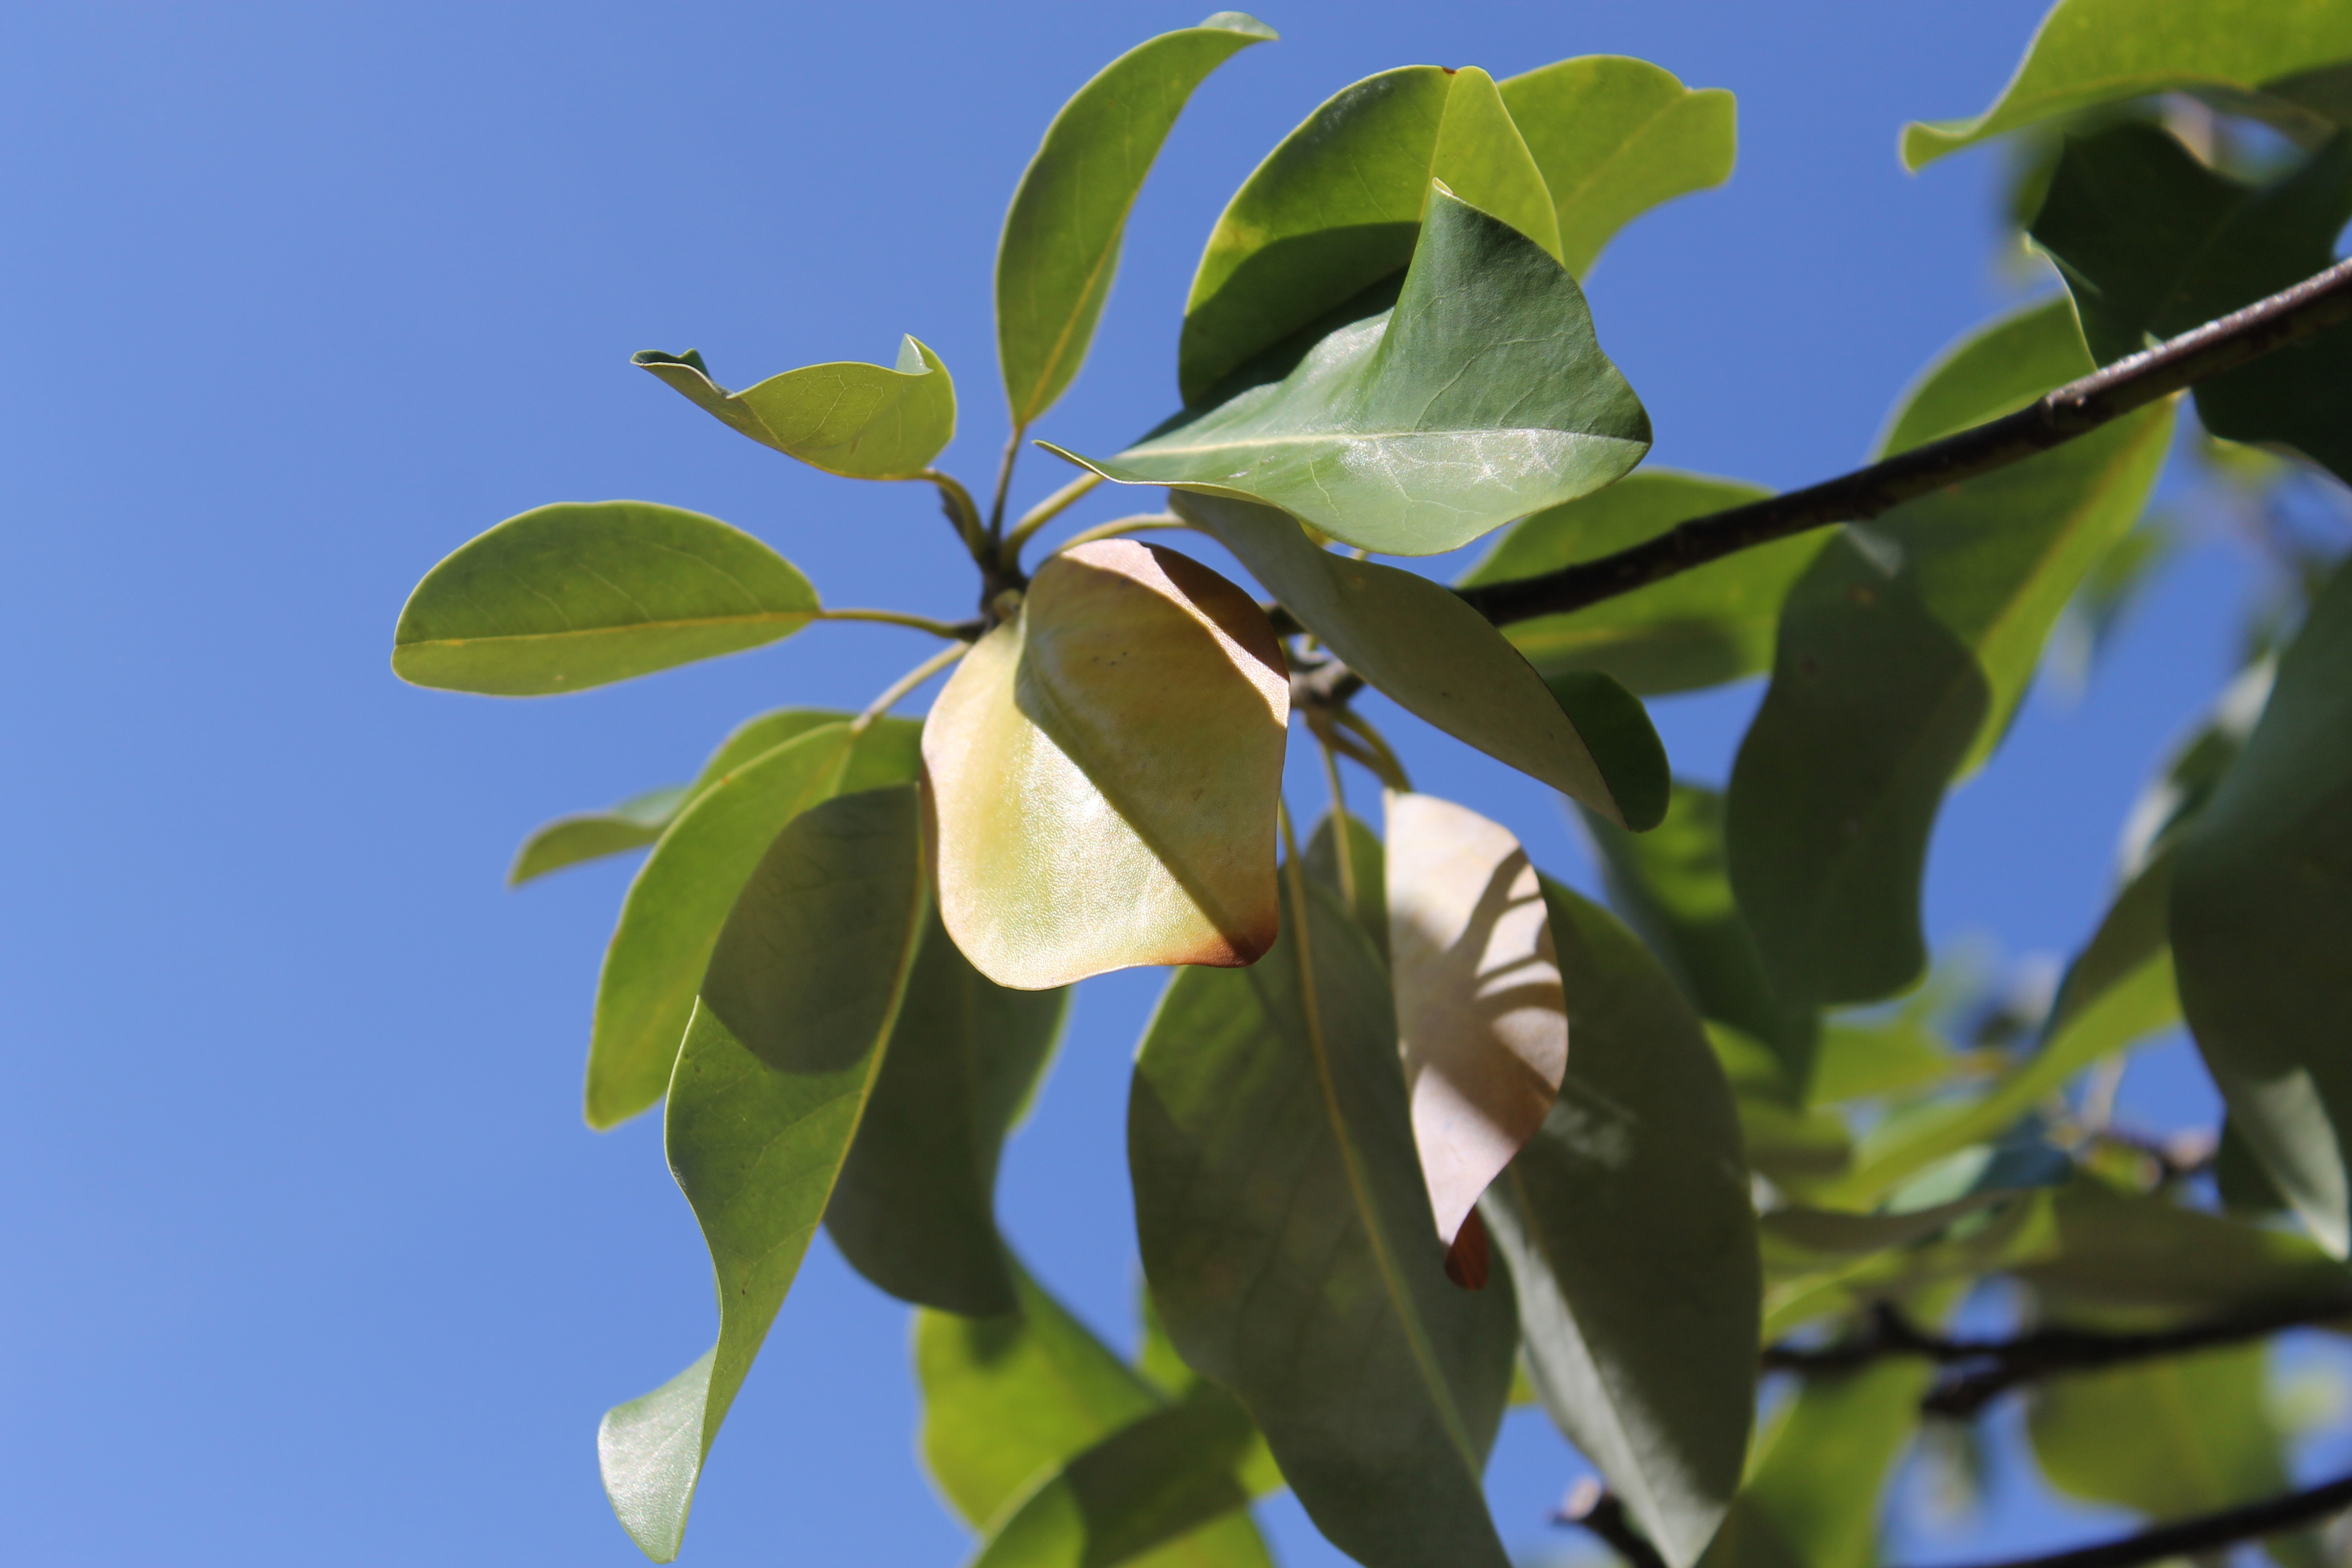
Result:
pixel 310 1257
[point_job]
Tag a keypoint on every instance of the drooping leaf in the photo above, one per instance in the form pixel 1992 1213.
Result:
pixel 804 986
pixel 2261 910
pixel 914 1207
pixel 680 901
pixel 591 836
pixel 1698 628
pixel 1480 1017
pixel 1615 137
pixel 1440 661
pixel 579 593
pixel 2268 55
pixel 1363 887
pixel 1481 397
pixel 1105 770
pixel 1333 212
pixel 850 418
pixel 2152 243
pixel 1291 1250
pixel 2128 1252
pixel 1060 246
pixel 1630 1233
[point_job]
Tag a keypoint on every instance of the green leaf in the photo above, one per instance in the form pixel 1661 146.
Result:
pixel 591 836
pixel 803 987
pixel 1086 822
pixel 1364 888
pixel 1994 371
pixel 856 420
pixel 2090 52
pixel 1795 1148
pixel 1292 1251
pixel 1698 628
pixel 2152 243
pixel 914 1208
pixel 1060 246
pixel 2124 1252
pixel 1329 219
pixel 1615 137
pixel 1673 885
pixel 1438 658
pixel 579 593
pixel 1481 1021
pixel 1858 1059
pixel 2184 1436
pixel 1631 1236
pixel 2262 909
pixel 680 901
pixel 1482 395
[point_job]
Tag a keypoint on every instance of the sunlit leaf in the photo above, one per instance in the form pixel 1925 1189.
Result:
pixel 1481 397
pixel 1060 246
pixel 591 836
pixel 2152 243
pixel 857 420
pixel 1480 1018
pixel 1441 660
pixel 1105 770
pixel 1332 213
pixel 804 986
pixel 2183 1435
pixel 2262 913
pixel 1994 371
pixel 1697 628
pixel 1615 137
pixel 1632 1238
pixel 2124 1252
pixel 1291 1250
pixel 914 1208
pixel 1862 1059
pixel 2267 56
pixel 679 900
pixel 575 594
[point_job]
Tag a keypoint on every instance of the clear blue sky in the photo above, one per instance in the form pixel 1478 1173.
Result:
pixel 310 1256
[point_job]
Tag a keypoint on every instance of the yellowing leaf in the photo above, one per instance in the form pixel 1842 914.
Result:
pixel 1104 769
pixel 1480 1017
pixel 856 420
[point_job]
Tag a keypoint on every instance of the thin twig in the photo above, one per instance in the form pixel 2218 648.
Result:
pixel 1119 527
pixel 1602 1513
pixel 896 692
pixel 1046 510
pixel 954 631
pixel 2206 1532
pixel 2075 409
pixel 1383 764
pixel 1341 829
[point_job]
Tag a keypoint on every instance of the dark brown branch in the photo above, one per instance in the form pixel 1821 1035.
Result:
pixel 2075 409
pixel 1603 1514
pixel 2207 1532
pixel 1990 1368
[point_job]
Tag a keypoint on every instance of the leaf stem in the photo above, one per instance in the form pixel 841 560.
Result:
pixel 962 512
pixel 1003 485
pixel 1341 829
pixel 1144 523
pixel 954 632
pixel 1384 765
pixel 1046 510
pixel 896 692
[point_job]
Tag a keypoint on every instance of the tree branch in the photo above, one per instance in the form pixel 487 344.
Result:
pixel 2075 409
pixel 1602 1513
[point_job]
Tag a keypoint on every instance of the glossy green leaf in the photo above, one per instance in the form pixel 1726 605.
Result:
pixel 1698 628
pixel 1060 246
pixel 914 1208
pixel 856 420
pixel 1632 1237
pixel 1105 770
pixel 2262 911
pixel 2125 1252
pixel 1292 1251
pixel 579 593
pixel 1481 397
pixel 1364 887
pixel 2184 1436
pixel 1615 137
pixel 2153 243
pixel 1673 885
pixel 1481 1022
pixel 591 836
pixel 1333 212
pixel 2090 52
pixel 1438 658
pixel 680 901
pixel 804 986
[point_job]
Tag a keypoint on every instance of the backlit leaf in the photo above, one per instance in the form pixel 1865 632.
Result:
pixel 679 900
pixel 1631 1233
pixel 1480 1018
pixel 1697 628
pixel 582 593
pixel 1994 371
pixel 1060 246
pixel 591 836
pixel 2184 1436
pixel 2090 52
pixel 2128 1252
pixel 787 1037
pixel 2262 913
pixel 1441 660
pixel 1105 770
pixel 1615 137
pixel 1481 397
pixel 1291 1250
pixel 1334 210
pixel 856 420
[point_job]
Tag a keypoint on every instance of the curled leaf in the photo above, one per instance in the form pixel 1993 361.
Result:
pixel 850 418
